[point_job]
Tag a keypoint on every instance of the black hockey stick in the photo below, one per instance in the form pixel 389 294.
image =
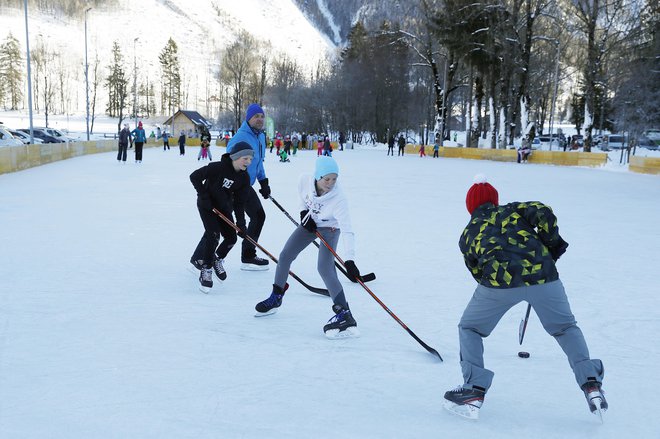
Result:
pixel 365 278
pixel 523 325
pixel 316 290
pixel 412 334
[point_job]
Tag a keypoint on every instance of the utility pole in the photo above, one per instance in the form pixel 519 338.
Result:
pixel 86 76
pixel 29 71
pixel 135 81
pixel 554 96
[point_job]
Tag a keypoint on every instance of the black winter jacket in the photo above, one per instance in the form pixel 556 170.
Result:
pixel 513 245
pixel 226 187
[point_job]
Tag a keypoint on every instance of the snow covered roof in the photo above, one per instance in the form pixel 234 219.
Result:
pixel 194 117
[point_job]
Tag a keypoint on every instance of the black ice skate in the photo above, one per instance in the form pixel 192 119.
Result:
pixel 196 265
pixel 205 280
pixel 341 325
pixel 270 305
pixel 595 397
pixel 465 402
pixel 219 269
pixel 254 263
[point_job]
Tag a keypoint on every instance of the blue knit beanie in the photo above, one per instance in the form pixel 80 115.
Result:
pixel 253 109
pixel 325 165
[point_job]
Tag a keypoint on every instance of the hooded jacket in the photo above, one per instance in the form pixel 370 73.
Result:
pixel 512 245
pixel 257 140
pixel 225 186
pixel 328 210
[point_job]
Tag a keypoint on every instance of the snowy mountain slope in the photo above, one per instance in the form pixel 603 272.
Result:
pixel 199 27
pixel 335 18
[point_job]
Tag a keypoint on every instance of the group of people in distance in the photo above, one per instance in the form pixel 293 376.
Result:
pixel 511 251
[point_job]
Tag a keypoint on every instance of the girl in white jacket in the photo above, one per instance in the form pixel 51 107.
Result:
pixel 324 210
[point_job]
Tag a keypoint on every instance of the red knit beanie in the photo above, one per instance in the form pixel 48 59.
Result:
pixel 481 192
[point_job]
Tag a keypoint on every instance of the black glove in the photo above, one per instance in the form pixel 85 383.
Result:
pixel 204 202
pixel 307 223
pixel 352 270
pixel 559 249
pixel 265 189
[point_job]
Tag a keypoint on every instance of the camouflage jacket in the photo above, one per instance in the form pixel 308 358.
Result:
pixel 512 245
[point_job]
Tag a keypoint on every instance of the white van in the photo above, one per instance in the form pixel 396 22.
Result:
pixel 615 141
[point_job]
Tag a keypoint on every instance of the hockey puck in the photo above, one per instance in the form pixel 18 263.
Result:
pixel 523 354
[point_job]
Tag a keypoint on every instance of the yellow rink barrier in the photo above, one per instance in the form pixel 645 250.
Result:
pixel 572 158
pixel 17 158
pixel 645 165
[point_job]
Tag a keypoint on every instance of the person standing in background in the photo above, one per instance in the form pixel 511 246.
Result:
pixel 124 139
pixel 140 138
pixel 182 143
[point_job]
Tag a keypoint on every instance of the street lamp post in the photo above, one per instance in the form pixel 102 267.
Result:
pixel 554 96
pixel 86 77
pixel 29 72
pixel 135 81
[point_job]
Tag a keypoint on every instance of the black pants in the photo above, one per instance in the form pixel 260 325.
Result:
pixel 208 249
pixel 401 151
pixel 166 144
pixel 138 151
pixel 255 211
pixel 121 155
pixel 182 148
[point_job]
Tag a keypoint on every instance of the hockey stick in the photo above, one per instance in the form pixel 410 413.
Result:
pixel 365 278
pixel 316 290
pixel 412 334
pixel 523 325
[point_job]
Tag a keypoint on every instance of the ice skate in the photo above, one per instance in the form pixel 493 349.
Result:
pixel 205 280
pixel 595 397
pixel 464 402
pixel 341 325
pixel 270 305
pixel 254 263
pixel 219 269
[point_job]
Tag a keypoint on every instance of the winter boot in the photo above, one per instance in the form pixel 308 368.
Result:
pixel 464 401
pixel 270 305
pixel 205 279
pixel 254 263
pixel 219 269
pixel 595 397
pixel 341 325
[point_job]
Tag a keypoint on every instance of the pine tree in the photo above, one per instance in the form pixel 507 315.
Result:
pixel 11 71
pixel 171 78
pixel 117 85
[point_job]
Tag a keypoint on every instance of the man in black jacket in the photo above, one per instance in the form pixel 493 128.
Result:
pixel 124 139
pixel 511 251
pixel 222 185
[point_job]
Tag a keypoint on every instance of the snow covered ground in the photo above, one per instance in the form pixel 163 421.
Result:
pixel 103 333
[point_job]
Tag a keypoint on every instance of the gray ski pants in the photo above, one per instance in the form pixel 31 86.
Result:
pixel 297 242
pixel 550 303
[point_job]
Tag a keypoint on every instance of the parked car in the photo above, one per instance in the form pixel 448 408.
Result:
pixel 551 140
pixel 25 138
pixel 6 139
pixel 614 141
pixel 57 134
pixel 42 135
pixel 653 135
pixel 645 142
